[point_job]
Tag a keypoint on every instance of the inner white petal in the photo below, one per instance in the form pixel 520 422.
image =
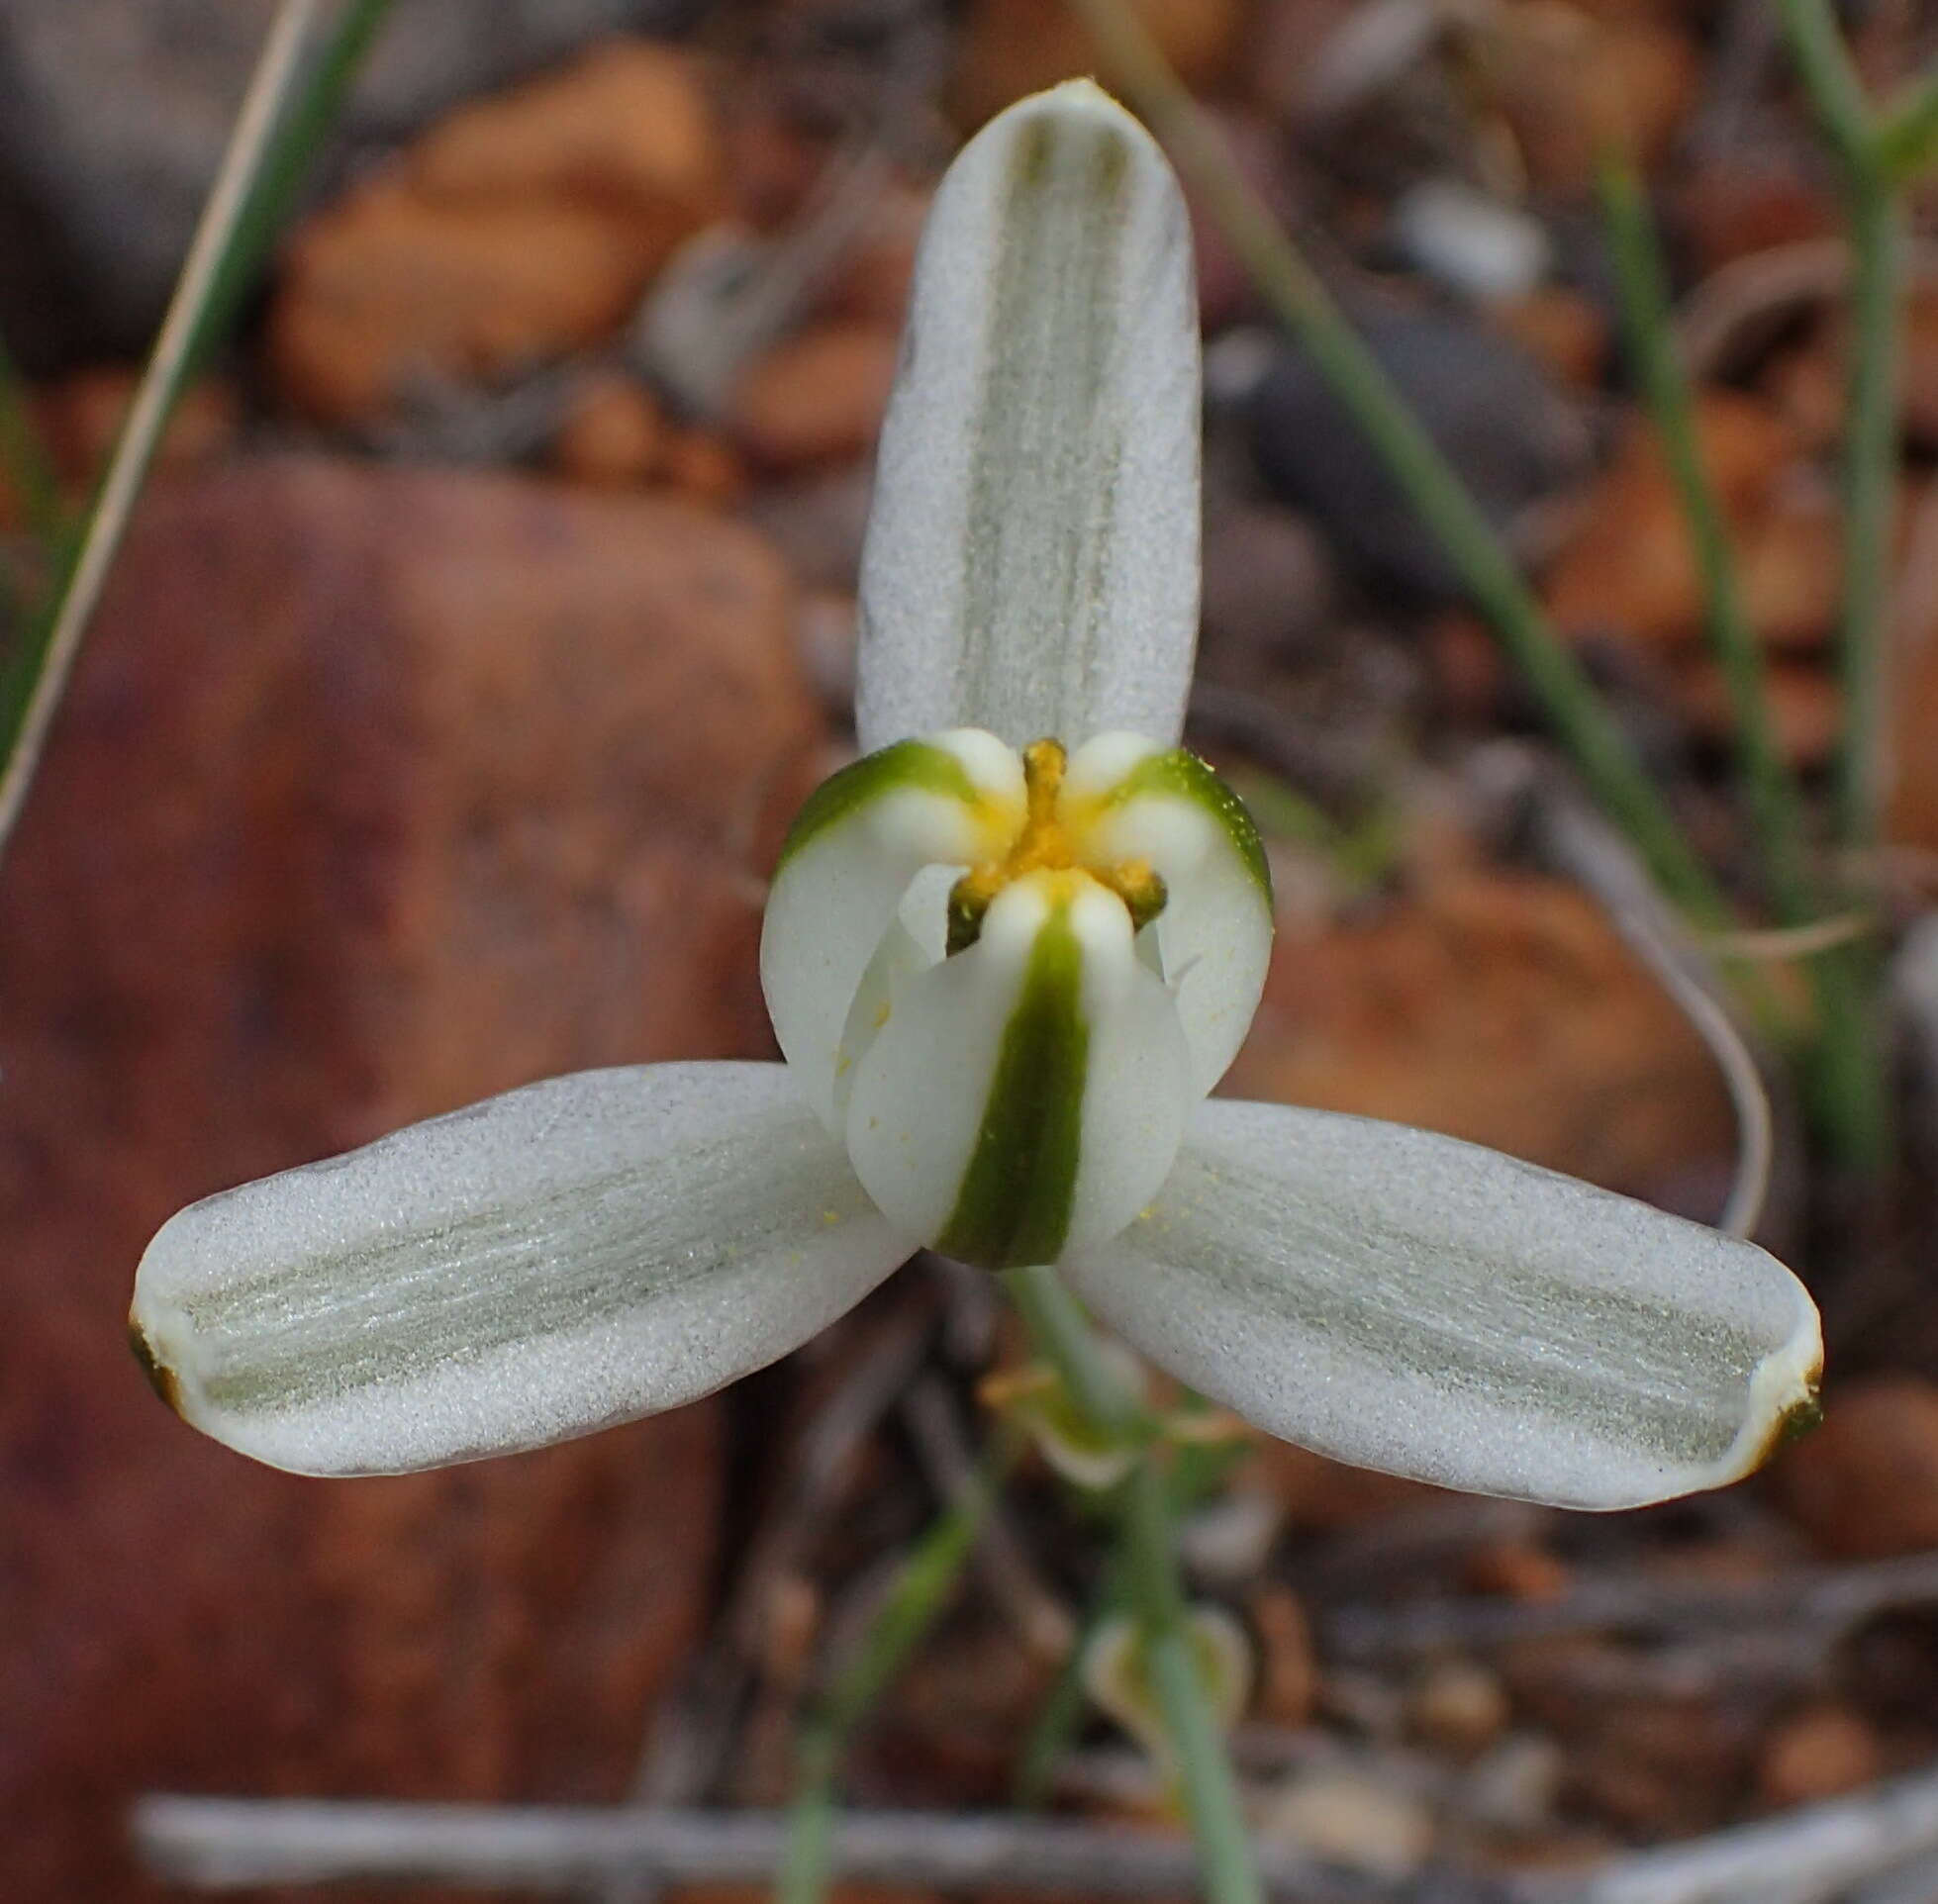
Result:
pixel 1027 1094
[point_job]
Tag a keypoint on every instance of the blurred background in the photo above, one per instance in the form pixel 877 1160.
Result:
pixel 489 611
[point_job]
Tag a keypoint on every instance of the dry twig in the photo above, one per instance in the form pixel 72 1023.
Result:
pixel 1832 1599
pixel 1808 1856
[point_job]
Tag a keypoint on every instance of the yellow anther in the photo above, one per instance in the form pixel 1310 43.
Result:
pixel 1043 762
pixel 1138 887
pixel 1046 843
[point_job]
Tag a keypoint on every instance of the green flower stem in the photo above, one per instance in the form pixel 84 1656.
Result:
pixel 920 1591
pixel 1062 1335
pixel 1197 1740
pixel 1574 709
pixel 1844 1068
pixel 1064 1338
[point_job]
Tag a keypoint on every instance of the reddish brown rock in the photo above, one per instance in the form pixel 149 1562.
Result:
pixel 1009 48
pixel 1565 80
pixel 522 228
pixel 1912 711
pixel 1629 571
pixel 1921 373
pixel 1516 1570
pixel 1806 709
pixel 1563 328
pixel 816 398
pixel 1660 1765
pixel 78 420
pixel 1818 1753
pixel 614 433
pixel 386 290
pixel 81 419
pixel 375 792
pixel 1319 1493
pixel 627 129
pixel 1740 202
pixel 1504 1009
pixel 773 158
pixel 706 468
pixel 1288 1660
pixel 872 284
pixel 1865 1485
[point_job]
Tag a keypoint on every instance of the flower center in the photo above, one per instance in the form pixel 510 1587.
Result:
pixel 1051 839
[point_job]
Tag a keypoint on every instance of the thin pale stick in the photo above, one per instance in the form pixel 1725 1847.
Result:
pixel 1811 1853
pixel 1790 942
pixel 228 1844
pixel 276 75
pixel 1658 940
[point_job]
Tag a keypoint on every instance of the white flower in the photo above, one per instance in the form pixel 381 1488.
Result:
pixel 1005 978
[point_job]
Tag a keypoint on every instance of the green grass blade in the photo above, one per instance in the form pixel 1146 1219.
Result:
pixel 1771 795
pixel 252 188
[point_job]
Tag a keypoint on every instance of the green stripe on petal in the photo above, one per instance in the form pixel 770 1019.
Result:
pixel 1014 1205
pixel 859 842
pixel 1032 550
pixel 577 1253
pixel 1409 1303
pixel 1024 1096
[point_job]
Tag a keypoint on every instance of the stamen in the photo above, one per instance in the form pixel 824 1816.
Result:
pixel 1043 762
pixel 1139 887
pixel 1044 844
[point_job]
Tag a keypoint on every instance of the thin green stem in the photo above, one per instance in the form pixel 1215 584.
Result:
pixel 1906 139
pixel 1870 454
pixel 1850 1083
pixel 1210 1793
pixel 920 1589
pixel 1771 795
pixel 1569 699
pixel 1854 1038
pixel 1824 64
pixel 1844 1069
pixel 1063 1337
pixel 226 253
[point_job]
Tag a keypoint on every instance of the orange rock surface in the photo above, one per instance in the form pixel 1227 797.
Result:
pixel 377 792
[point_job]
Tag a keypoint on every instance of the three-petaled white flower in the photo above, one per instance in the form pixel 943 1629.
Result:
pixel 1005 970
